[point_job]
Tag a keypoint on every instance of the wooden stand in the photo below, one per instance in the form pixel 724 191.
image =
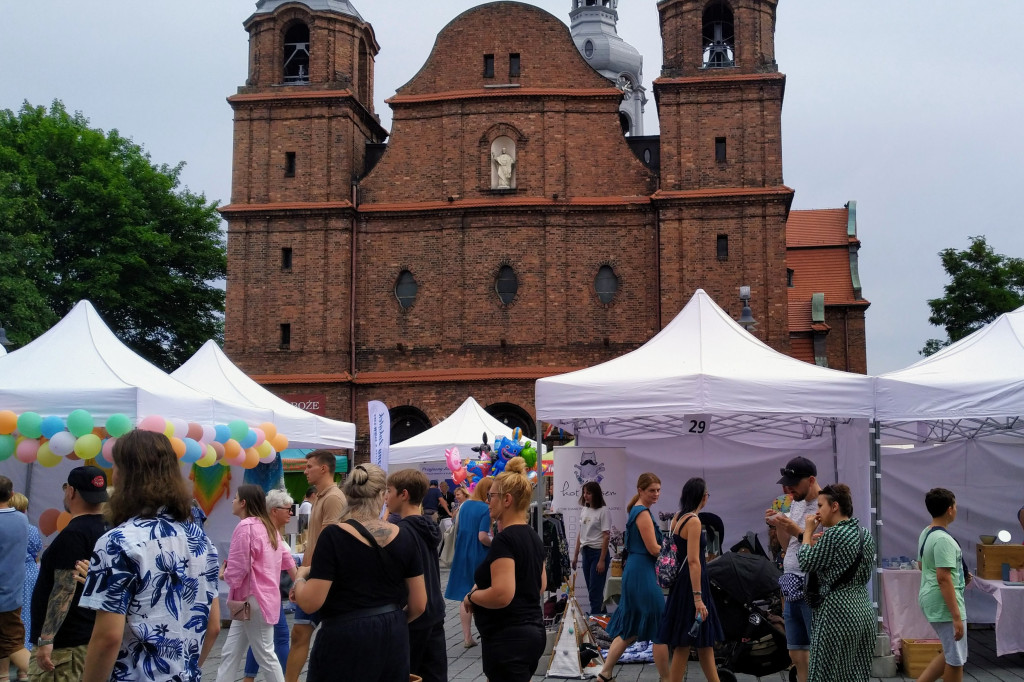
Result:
pixel 992 557
pixel 918 653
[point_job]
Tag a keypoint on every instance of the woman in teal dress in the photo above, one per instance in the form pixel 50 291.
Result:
pixel 642 601
pixel 472 540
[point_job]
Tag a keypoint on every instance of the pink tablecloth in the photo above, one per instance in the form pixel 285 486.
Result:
pixel 902 618
pixel 1009 614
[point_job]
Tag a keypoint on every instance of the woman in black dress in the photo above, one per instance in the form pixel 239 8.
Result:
pixel 506 597
pixel 687 603
pixel 358 581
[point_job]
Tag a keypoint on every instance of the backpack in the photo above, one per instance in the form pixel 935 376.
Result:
pixel 668 563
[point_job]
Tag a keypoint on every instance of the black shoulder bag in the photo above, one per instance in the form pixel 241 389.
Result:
pixel 387 562
pixel 813 591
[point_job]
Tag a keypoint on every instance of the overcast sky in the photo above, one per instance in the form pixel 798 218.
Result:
pixel 913 108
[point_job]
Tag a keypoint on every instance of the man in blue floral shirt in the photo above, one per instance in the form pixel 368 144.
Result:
pixel 153 578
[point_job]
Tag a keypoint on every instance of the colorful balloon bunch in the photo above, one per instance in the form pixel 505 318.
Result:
pixel 33 438
pixel 491 463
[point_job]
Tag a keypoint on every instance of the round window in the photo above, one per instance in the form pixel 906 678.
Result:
pixel 588 49
pixel 606 284
pixel 507 284
pixel 405 289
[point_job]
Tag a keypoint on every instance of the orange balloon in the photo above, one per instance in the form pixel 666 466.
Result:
pixel 8 423
pixel 269 430
pixel 178 445
pixel 48 521
pixel 252 458
pixel 63 520
pixel 280 442
pixel 231 449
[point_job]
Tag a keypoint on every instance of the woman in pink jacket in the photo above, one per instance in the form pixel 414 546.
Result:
pixel 257 556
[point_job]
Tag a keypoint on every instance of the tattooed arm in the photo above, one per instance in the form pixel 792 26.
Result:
pixel 61 596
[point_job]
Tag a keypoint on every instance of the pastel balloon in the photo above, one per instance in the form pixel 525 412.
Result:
pixel 80 422
pixel 192 450
pixel 63 444
pixel 207 460
pixel 118 425
pixel 265 448
pixel 218 450
pixel 88 446
pixel 7 445
pixel 269 458
pixel 108 449
pixel 180 427
pixel 46 457
pixel 178 445
pixel 209 433
pixel 29 424
pixel 8 422
pixel 249 441
pixel 260 436
pixel 48 521
pixel 232 448
pixel 269 429
pixel 169 429
pixel 252 458
pixel 154 423
pixel 104 461
pixel 62 520
pixel 195 431
pixel 280 442
pixel 222 433
pixel 239 429
pixel 51 425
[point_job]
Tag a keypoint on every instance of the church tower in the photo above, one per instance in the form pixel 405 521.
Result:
pixel 593 26
pixel 303 122
pixel 722 200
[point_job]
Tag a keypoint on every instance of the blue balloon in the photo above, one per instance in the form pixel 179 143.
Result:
pixel 223 433
pixel 193 451
pixel 249 440
pixel 51 425
pixel 100 461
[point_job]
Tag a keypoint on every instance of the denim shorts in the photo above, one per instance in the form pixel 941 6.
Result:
pixel 954 652
pixel 797 615
pixel 303 618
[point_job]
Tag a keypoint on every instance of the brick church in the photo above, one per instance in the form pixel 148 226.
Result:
pixel 515 222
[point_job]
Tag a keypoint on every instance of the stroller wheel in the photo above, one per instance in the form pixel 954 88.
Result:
pixel 792 674
pixel 725 675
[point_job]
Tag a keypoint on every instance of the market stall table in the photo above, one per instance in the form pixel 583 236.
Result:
pixel 1009 613
pixel 902 618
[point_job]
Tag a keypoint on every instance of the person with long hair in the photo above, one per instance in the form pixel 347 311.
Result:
pixel 361 572
pixel 642 602
pixel 843 631
pixel 279 509
pixel 152 577
pixel 595 530
pixel 689 598
pixel 257 556
pixel 506 595
pixel 472 540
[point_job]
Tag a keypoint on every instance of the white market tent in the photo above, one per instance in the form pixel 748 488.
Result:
pixel 210 371
pixel 463 429
pixel 759 408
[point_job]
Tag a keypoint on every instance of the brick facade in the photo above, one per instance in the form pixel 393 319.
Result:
pixel 320 249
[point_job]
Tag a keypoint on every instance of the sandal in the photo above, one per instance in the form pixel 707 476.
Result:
pixel 601 676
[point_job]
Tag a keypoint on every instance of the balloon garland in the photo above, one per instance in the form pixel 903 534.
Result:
pixel 491 462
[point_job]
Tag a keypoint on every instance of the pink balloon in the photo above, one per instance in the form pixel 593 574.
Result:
pixel 108 449
pixel 260 436
pixel 27 450
pixel 195 431
pixel 209 433
pixel 154 423
pixel 451 456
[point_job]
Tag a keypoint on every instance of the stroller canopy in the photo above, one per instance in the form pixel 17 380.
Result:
pixel 743 576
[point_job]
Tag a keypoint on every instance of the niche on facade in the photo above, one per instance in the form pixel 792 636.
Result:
pixel 503 163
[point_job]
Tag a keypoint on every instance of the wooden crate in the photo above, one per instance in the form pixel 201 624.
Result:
pixel 992 557
pixel 918 653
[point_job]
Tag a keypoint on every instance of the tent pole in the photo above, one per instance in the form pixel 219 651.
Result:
pixel 538 490
pixel 876 511
pixel 28 480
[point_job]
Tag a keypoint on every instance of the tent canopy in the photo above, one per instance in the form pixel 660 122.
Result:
pixel 210 371
pixel 80 364
pixel 463 429
pixel 974 387
pixel 702 363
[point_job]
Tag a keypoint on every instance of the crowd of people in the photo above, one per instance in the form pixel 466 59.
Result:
pixel 129 589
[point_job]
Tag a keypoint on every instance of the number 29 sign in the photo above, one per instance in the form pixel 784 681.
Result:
pixel 696 424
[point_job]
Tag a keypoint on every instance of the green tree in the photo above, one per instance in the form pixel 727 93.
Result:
pixel 983 285
pixel 86 215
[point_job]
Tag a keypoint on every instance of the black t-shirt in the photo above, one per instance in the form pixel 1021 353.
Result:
pixel 73 543
pixel 449 497
pixel 358 579
pixel 431 498
pixel 521 544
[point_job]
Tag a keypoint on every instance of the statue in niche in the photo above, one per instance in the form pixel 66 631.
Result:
pixel 504 164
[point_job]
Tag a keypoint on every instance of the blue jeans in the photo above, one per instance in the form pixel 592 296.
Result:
pixel 595 580
pixel 281 646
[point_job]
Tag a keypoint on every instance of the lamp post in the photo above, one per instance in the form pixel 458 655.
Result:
pixel 746 320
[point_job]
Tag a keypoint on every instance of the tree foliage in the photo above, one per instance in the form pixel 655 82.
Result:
pixel 86 215
pixel 983 285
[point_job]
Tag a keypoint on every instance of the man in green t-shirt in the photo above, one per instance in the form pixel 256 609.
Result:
pixel 942 588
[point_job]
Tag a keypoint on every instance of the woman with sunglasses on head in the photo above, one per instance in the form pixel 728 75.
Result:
pixel 279 507
pixel 844 628
pixel 257 556
pixel 642 602
pixel 689 598
pixel 509 582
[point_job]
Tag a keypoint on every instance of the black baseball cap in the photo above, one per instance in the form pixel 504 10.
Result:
pixel 796 470
pixel 90 482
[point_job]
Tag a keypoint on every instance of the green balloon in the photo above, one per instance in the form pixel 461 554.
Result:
pixel 7 444
pixel 118 425
pixel 239 429
pixel 529 454
pixel 30 425
pixel 80 422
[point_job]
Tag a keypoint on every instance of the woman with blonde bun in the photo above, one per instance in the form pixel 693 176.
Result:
pixel 509 582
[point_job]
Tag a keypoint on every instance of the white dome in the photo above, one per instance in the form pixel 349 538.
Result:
pixel 338 6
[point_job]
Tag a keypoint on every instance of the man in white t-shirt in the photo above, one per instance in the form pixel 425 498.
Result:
pixel 306 508
pixel 799 479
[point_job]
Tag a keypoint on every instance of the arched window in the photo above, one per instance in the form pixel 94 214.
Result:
pixel 606 284
pixel 719 42
pixel 511 415
pixel 506 284
pixel 406 422
pixel 296 54
pixel 624 123
pixel 405 289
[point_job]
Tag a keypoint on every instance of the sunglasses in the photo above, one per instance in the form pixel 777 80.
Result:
pixel 788 471
pixel 490 495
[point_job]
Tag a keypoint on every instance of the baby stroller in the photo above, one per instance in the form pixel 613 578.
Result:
pixel 745 588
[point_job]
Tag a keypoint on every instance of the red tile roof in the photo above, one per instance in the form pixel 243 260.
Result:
pixel 799 315
pixel 802 348
pixel 822 227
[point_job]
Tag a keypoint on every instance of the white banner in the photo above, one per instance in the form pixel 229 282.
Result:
pixel 380 433
pixel 576 466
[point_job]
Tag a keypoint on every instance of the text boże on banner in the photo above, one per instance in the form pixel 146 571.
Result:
pixel 576 466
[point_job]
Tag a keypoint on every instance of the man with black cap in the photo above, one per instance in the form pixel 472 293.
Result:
pixel 60 627
pixel 799 479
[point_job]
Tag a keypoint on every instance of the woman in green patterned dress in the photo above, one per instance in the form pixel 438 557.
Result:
pixel 844 629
